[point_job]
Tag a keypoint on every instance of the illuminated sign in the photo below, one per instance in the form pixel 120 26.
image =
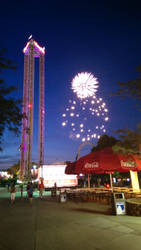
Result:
pixel 91 165
pixel 128 164
pixel 56 174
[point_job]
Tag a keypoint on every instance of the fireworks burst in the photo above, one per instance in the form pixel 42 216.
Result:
pixel 85 118
pixel 82 118
pixel 84 85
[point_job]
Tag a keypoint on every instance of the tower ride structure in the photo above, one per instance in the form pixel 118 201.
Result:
pixel 31 51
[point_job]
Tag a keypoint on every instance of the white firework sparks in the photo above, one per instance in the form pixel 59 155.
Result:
pixel 86 116
pixel 84 85
pixel 86 124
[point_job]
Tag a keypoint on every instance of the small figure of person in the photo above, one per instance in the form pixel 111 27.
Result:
pixel 41 189
pixel 27 189
pixel 99 182
pixel 53 191
pixel 12 191
pixel 55 188
pixel 8 186
pixel 21 190
pixel 85 183
pixel 30 192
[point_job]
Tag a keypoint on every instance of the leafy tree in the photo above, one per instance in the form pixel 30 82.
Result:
pixel 131 88
pixel 10 109
pixel 105 141
pixel 130 140
pixel 67 162
pixel 16 167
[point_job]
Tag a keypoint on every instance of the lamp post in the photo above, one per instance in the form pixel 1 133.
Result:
pixel 34 171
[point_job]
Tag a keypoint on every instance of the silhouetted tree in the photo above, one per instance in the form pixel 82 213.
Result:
pixel 131 88
pixel 10 109
pixel 105 141
pixel 130 140
pixel 14 169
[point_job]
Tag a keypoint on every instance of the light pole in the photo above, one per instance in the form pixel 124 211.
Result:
pixel 34 171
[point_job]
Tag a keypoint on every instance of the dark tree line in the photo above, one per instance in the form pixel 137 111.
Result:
pixel 129 141
pixel 10 108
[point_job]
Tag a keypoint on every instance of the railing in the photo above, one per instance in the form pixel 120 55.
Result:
pixel 101 194
pixel 103 189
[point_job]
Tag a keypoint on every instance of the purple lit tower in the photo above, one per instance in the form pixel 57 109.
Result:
pixel 32 50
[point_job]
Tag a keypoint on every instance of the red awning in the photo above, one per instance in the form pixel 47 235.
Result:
pixel 106 161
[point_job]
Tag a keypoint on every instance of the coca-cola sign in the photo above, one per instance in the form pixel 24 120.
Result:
pixel 129 164
pixel 91 165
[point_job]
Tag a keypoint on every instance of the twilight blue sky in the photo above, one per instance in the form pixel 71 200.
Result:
pixel 102 37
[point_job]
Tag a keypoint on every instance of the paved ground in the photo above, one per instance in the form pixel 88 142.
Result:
pixel 50 225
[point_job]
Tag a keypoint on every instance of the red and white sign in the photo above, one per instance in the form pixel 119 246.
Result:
pixel 91 165
pixel 128 164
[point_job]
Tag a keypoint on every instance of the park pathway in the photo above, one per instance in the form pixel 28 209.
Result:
pixel 50 225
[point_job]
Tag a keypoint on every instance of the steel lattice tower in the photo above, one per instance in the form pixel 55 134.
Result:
pixel 32 51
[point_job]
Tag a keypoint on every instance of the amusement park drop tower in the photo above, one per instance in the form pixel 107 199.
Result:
pixel 31 51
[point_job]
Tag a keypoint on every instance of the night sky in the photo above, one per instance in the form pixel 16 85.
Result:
pixel 101 37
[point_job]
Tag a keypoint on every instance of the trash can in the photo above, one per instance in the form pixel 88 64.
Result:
pixel 118 204
pixel 63 197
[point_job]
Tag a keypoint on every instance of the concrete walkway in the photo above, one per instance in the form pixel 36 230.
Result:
pixel 50 225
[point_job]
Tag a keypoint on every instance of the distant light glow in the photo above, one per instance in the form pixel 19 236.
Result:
pixel 34 166
pixel 78 135
pixel 106 118
pixel 72 107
